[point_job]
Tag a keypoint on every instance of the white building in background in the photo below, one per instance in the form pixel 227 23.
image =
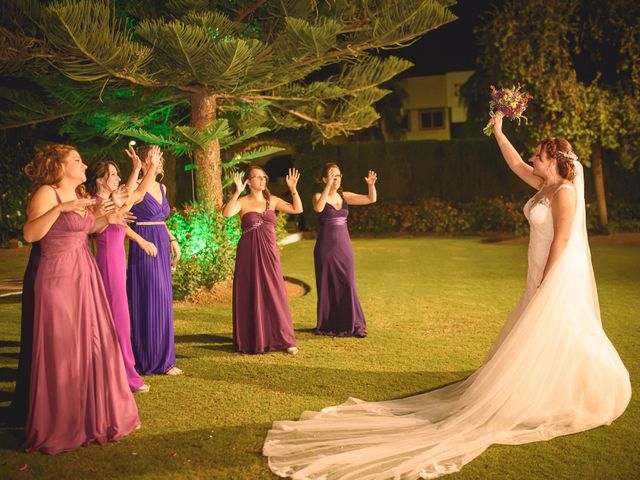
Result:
pixel 434 105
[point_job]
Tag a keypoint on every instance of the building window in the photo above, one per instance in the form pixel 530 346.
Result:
pixel 432 119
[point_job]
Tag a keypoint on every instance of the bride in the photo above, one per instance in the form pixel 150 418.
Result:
pixel 552 370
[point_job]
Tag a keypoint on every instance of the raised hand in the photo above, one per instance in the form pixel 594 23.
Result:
pixel 154 156
pixel 136 163
pixel 148 247
pixel 292 179
pixel 240 185
pixel 496 121
pixel 120 196
pixel 371 177
pixel 79 205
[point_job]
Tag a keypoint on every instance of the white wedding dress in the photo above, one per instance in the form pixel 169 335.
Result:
pixel 552 371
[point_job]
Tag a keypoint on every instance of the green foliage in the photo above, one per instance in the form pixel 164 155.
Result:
pixel 579 59
pixel 208 246
pixel 13 205
pixel 487 215
pixel 220 59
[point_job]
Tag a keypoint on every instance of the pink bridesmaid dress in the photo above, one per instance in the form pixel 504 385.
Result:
pixel 78 391
pixel 111 261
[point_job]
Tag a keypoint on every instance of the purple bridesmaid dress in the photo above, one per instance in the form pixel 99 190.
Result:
pixel 150 291
pixel 78 391
pixel 339 310
pixel 111 261
pixel 261 317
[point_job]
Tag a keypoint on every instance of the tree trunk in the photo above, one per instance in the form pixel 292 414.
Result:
pixel 208 161
pixel 598 183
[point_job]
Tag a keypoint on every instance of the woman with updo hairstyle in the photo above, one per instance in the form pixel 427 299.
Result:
pixel 261 316
pixel 103 183
pixel 78 391
pixel 552 370
pixel 35 172
pixel 339 312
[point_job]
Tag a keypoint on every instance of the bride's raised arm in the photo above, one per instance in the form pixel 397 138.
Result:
pixel 511 155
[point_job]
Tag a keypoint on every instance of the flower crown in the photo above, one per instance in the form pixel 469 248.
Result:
pixel 570 155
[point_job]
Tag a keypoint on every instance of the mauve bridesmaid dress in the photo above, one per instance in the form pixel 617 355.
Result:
pixel 339 310
pixel 261 317
pixel 78 391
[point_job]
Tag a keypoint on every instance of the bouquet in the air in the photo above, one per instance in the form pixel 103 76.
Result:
pixel 512 102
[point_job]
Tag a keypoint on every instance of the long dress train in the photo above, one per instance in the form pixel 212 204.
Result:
pixel 78 391
pixel 111 261
pixel 339 311
pixel 150 291
pixel 552 371
pixel 261 316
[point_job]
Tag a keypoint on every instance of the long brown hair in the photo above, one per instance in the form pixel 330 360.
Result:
pixel 247 174
pixel 96 171
pixel 558 148
pixel 45 168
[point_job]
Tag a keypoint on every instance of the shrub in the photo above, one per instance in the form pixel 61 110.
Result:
pixel 208 243
pixel 478 216
pixel 208 247
pixel 13 205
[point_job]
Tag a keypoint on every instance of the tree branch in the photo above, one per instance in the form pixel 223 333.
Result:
pixel 36 121
pixel 244 13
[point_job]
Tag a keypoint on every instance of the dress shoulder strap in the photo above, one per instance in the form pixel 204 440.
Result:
pixel 55 190
pixel 564 185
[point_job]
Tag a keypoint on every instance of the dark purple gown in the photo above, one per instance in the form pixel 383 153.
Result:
pixel 20 402
pixel 261 317
pixel 339 310
pixel 149 290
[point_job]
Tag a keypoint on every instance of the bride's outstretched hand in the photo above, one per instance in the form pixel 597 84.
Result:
pixel 496 121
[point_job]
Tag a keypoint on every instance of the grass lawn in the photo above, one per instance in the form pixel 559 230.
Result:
pixel 433 307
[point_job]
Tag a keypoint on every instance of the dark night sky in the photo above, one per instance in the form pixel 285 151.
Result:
pixel 451 47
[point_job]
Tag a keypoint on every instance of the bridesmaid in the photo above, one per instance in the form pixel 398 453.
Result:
pixel 261 317
pixel 78 388
pixel 103 182
pixel 149 279
pixel 339 310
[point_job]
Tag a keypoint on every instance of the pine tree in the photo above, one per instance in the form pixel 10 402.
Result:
pixel 231 69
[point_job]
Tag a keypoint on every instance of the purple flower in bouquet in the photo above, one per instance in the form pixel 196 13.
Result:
pixel 512 102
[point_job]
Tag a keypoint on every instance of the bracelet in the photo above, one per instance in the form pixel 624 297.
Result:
pixel 173 240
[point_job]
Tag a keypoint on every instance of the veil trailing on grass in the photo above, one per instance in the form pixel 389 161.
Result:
pixel 552 371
